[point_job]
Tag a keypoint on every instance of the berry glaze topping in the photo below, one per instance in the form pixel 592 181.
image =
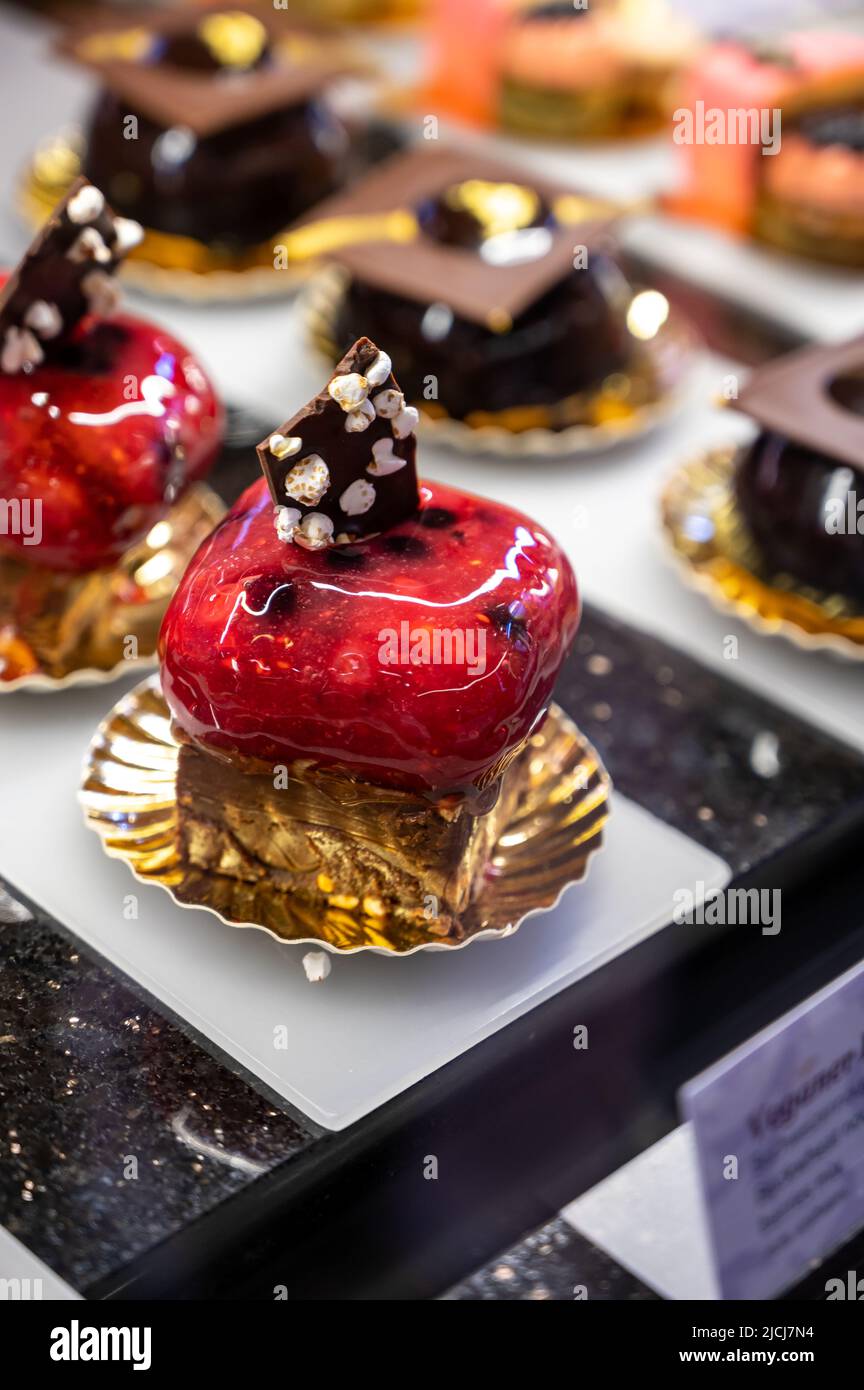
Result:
pixel 277 653
pixel 105 437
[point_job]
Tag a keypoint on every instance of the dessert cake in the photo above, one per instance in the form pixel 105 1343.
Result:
pixel 556 69
pixel 800 485
pixel 105 421
pixel 478 279
pixel 354 663
pixel 585 71
pixel 807 194
pixel 233 137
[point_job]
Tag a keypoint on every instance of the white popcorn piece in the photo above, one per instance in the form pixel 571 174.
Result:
pixel 89 246
pixel 85 206
pixel 361 418
pixel 101 292
pixel 20 349
pixel 405 422
pixel 287 519
pixel 348 391
pixel 127 235
pixel 384 460
pixel 40 398
pixel 317 966
pixel 44 319
pixel 357 498
pixel 308 480
pixel 284 446
pixel 388 403
pixel 381 368
pixel 315 531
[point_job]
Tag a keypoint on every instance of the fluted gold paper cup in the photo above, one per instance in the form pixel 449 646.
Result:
pixel 93 628
pixel 129 797
pixel 718 557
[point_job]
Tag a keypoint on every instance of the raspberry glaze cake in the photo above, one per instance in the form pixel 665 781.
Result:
pixel 340 734
pixel 105 421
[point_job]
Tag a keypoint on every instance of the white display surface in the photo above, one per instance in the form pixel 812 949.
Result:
pixel 376 1025
pixel 35 1281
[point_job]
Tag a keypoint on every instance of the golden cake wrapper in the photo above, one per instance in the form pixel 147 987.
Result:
pixel 129 602
pixel 719 558
pixel 163 264
pixel 627 404
pixel 128 796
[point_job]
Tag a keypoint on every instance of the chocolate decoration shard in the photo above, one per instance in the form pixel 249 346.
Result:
pixel 212 68
pixel 344 467
pixel 814 397
pixel 65 274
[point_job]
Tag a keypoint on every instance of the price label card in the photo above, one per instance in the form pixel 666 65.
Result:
pixel 779 1129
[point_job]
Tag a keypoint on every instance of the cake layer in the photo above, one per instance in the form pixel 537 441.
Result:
pixel 343 843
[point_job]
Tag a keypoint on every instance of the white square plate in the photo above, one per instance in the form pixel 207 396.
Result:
pixel 376 1025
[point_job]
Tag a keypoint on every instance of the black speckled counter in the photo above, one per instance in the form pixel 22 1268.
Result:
pixel 118 1127
pixel 553 1264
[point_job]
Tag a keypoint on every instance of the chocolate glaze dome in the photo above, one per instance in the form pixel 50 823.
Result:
pixel 234 188
pixel 787 494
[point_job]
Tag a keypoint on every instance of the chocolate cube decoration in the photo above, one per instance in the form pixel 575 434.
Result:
pixel 343 468
pixel 66 273
pixel 813 397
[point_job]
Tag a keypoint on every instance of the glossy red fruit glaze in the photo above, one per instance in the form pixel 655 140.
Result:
pixel 274 652
pixel 106 438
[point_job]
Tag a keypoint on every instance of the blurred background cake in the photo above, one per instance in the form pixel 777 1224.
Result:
pixel 807 196
pixel 496 311
pixel 559 70
pixel 212 125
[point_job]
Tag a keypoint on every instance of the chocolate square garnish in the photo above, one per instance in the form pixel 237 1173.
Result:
pixel 429 270
pixel 344 467
pixel 65 273
pixel 814 397
pixel 158 62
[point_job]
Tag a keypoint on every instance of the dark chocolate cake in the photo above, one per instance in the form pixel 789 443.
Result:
pixel 800 485
pixel 502 307
pixel 213 125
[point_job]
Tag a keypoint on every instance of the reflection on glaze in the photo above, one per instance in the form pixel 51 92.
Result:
pixel 367 657
pixel 104 439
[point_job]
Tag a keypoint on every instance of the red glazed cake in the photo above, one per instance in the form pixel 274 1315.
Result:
pixel 353 675
pixel 105 420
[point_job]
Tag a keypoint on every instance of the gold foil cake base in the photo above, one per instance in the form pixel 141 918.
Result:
pixel 92 628
pixel 173 267
pixel 129 798
pixel 625 405
pixel 719 558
